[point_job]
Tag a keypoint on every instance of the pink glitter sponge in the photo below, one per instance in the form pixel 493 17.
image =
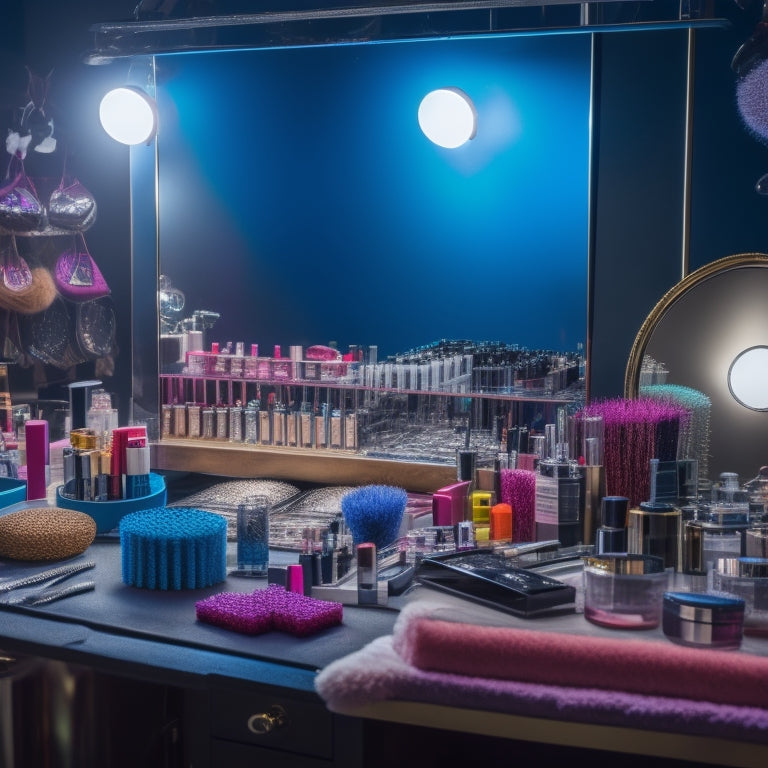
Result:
pixel 263 610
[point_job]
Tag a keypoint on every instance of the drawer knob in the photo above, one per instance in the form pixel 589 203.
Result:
pixel 265 722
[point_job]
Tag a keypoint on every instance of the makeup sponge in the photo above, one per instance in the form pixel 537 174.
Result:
pixel 373 513
pixel 45 533
pixel 273 608
pixel 173 548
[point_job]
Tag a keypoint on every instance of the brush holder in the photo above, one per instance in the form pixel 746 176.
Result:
pixel 12 491
pixel 108 514
pixel 173 548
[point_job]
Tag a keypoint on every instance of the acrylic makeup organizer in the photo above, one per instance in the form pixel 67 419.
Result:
pixel 420 409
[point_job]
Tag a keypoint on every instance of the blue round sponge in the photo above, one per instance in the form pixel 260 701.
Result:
pixel 173 548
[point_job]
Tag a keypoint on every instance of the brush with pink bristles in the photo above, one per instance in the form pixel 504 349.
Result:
pixel 518 489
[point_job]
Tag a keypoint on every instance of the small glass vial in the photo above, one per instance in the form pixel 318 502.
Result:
pixel 251 416
pixel 253 536
pixel 193 420
pixel 208 423
pixel 236 424
pixel 222 423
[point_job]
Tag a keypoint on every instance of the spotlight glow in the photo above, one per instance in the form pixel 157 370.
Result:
pixel 448 117
pixel 748 378
pixel 128 115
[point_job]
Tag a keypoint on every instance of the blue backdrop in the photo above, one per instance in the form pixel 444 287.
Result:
pixel 300 200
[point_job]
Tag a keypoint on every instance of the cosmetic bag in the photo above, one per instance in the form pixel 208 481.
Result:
pixel 76 274
pixel 20 209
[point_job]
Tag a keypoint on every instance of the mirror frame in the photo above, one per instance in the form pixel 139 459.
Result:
pixel 670 298
pixel 678 312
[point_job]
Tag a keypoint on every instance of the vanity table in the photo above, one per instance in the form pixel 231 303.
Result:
pixel 245 700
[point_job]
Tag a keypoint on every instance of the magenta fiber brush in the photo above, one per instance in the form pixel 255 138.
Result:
pixel 636 431
pixel 518 489
pixel 373 513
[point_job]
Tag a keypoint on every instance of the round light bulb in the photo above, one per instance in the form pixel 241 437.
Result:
pixel 128 115
pixel 748 378
pixel 448 117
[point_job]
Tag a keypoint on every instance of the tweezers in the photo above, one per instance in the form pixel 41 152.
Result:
pixel 49 595
pixel 52 575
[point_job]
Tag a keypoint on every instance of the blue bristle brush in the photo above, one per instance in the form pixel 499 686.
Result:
pixel 373 513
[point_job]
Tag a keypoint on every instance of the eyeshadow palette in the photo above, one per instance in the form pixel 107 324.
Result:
pixel 486 578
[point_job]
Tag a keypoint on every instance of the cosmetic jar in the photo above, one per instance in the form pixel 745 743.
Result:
pixel 718 528
pixel 747 578
pixel 624 591
pixel 653 528
pixel 703 620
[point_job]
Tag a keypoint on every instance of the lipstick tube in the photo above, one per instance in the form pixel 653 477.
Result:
pixel 367 591
pixel 136 471
pixel 38 466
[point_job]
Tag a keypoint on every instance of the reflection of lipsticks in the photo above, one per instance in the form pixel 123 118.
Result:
pixel 366 574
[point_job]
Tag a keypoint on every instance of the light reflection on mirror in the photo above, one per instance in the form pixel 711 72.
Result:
pixel 748 378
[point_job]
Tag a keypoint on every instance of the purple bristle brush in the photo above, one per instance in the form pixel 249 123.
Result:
pixel 636 431
pixel 518 489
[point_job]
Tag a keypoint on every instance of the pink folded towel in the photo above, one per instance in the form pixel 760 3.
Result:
pixel 621 664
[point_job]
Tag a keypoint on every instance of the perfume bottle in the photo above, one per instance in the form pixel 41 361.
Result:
pixel 560 492
pixel 719 527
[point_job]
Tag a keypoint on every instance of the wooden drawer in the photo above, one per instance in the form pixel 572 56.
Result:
pixel 272 721
pixel 235 755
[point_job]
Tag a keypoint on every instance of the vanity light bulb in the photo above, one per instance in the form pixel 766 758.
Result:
pixel 447 117
pixel 748 378
pixel 128 115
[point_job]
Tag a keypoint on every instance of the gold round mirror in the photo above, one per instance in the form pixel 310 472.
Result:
pixel 707 338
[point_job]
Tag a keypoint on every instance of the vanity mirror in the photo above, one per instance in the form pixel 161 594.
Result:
pixel 708 337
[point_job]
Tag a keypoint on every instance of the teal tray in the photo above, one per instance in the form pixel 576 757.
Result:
pixel 12 491
pixel 108 514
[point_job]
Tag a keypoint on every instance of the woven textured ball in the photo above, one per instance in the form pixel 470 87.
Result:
pixel 173 548
pixel 45 533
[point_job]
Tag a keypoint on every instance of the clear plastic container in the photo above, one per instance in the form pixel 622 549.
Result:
pixel 624 591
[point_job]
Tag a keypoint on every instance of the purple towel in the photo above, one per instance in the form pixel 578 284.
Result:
pixel 497 668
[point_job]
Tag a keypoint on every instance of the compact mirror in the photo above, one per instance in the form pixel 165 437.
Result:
pixel 706 341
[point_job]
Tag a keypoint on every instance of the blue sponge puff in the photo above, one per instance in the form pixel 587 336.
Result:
pixel 173 548
pixel 373 513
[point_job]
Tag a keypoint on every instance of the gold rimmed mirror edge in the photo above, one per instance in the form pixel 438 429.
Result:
pixel 667 301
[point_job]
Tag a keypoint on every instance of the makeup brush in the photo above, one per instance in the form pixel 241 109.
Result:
pixel 373 513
